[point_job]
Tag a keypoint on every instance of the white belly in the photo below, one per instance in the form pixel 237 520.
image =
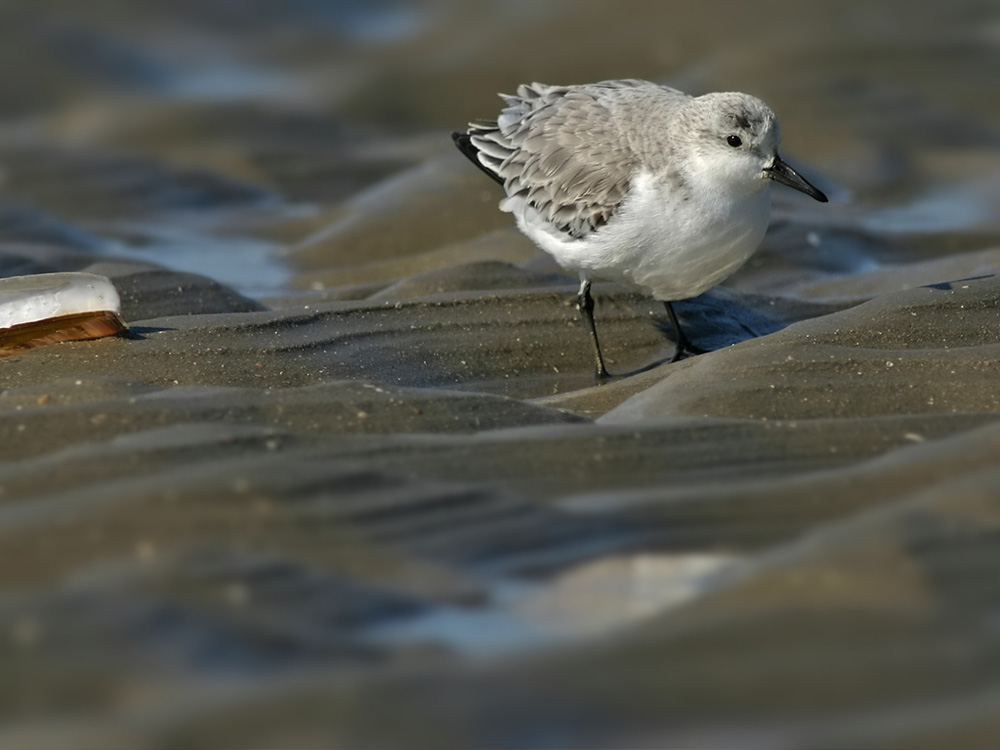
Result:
pixel 670 249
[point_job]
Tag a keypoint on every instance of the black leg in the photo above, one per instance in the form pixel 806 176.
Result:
pixel 586 304
pixel 684 347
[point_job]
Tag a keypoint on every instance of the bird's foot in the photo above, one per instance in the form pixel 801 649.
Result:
pixel 686 349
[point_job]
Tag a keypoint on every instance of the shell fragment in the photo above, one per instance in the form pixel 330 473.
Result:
pixel 52 307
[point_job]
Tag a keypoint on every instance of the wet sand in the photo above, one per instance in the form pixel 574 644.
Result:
pixel 349 480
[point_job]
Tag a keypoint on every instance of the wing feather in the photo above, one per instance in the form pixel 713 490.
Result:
pixel 560 149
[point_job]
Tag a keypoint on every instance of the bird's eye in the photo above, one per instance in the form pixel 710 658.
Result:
pixel 734 141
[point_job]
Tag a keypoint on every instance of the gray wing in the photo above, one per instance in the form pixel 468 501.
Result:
pixel 561 150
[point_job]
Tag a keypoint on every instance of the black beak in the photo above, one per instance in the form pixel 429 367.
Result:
pixel 779 171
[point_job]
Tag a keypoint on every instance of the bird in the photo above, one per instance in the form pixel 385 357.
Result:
pixel 635 182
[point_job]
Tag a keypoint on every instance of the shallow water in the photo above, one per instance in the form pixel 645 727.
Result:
pixel 586 602
pixel 351 463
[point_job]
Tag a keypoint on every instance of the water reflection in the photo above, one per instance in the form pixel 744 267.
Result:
pixel 589 601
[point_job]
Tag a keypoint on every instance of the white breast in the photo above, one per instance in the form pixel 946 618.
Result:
pixel 659 242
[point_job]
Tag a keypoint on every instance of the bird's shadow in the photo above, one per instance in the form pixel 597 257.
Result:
pixel 949 285
pixel 138 333
pixel 714 321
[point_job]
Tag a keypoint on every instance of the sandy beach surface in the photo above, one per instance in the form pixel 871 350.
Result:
pixel 349 482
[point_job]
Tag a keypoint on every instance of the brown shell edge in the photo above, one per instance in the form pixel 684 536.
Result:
pixel 73 327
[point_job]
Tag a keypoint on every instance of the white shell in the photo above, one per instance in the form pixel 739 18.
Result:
pixel 27 299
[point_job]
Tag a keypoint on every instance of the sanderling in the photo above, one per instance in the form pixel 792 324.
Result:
pixel 638 183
